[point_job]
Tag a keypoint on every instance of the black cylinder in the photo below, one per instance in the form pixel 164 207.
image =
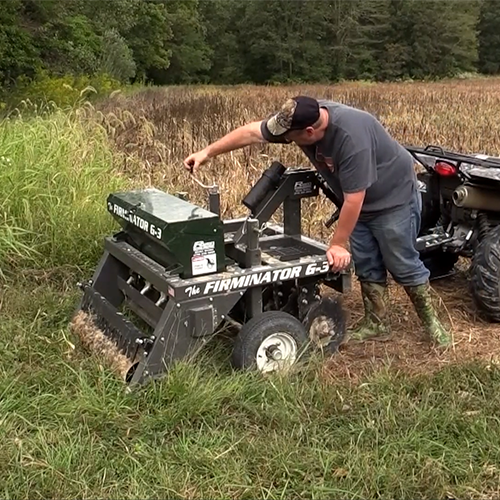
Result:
pixel 214 202
pixel 268 181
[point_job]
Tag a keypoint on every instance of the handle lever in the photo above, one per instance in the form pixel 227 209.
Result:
pixel 333 218
pixel 212 187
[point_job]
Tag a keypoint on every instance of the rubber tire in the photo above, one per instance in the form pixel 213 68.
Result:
pixel 257 329
pixel 333 310
pixel 485 276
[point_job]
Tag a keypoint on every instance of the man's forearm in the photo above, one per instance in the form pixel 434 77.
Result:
pixel 348 218
pixel 239 138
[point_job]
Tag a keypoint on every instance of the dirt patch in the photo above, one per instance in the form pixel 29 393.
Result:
pixel 409 350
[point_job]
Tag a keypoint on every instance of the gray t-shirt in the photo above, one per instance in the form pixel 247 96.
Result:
pixel 357 153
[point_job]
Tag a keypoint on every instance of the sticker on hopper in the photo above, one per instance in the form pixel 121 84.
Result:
pixel 204 259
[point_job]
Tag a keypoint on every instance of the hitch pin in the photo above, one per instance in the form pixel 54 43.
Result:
pixel 146 288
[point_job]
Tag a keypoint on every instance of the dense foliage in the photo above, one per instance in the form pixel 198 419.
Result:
pixel 262 41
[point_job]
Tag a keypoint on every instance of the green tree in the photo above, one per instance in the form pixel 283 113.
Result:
pixel 116 58
pixel 489 37
pixel 365 28
pixel 18 52
pixel 190 54
pixel 69 45
pixel 260 41
pixel 148 36
pixel 224 37
pixel 435 38
pixel 286 41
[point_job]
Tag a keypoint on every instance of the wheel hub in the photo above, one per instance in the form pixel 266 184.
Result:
pixel 276 352
pixel 273 352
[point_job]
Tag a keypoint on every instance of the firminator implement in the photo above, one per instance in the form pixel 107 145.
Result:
pixel 176 273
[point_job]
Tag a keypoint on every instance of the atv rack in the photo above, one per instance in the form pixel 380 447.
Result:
pixel 465 164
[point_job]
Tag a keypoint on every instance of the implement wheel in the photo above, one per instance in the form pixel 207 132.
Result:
pixel 272 341
pixel 325 323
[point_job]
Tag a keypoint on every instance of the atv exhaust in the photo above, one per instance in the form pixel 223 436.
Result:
pixel 476 198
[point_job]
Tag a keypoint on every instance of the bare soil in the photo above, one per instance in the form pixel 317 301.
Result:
pixel 409 350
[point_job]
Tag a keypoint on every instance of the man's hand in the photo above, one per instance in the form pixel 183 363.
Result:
pixel 193 161
pixel 338 258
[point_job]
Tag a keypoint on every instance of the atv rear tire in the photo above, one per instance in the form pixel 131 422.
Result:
pixel 485 276
pixel 267 337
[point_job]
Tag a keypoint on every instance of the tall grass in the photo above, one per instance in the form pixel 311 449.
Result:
pixel 55 174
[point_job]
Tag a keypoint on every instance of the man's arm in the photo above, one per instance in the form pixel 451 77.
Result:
pixel 337 254
pixel 241 137
pixel 349 215
pixel 357 172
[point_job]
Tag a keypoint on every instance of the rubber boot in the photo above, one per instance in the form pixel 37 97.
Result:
pixel 374 323
pixel 421 298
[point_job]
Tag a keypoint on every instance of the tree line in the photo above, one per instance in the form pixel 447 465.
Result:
pixel 253 41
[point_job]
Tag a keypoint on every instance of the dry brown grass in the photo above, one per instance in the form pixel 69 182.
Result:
pixel 156 129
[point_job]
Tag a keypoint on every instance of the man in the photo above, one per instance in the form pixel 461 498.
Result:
pixel 375 178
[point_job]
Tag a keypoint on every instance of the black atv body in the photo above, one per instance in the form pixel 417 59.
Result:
pixel 461 218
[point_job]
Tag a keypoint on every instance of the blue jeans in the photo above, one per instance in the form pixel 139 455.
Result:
pixel 387 243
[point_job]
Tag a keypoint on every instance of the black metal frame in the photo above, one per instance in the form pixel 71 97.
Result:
pixel 185 313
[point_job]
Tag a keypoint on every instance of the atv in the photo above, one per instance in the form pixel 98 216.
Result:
pixel 461 218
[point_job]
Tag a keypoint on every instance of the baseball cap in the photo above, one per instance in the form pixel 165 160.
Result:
pixel 297 113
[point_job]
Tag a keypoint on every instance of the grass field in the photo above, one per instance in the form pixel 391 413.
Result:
pixel 398 421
